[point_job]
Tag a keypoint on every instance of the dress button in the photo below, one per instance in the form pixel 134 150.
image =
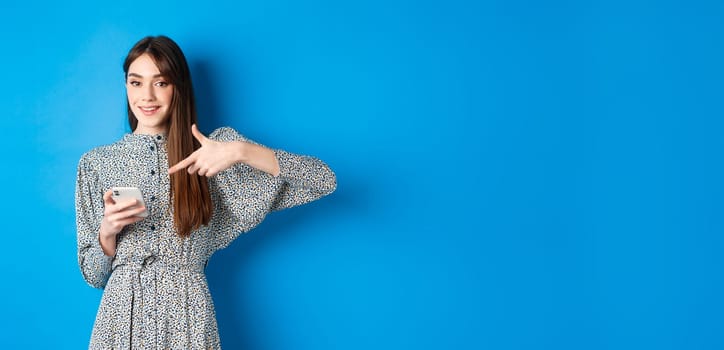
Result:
pixel 152 148
pixel 153 172
pixel 153 198
pixel 158 137
pixel 153 227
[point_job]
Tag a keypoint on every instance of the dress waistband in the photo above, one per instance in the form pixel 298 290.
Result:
pixel 158 262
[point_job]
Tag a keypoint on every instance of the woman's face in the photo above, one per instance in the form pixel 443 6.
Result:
pixel 149 95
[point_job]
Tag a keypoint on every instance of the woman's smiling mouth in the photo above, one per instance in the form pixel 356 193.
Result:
pixel 149 110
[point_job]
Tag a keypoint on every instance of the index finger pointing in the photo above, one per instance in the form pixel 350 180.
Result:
pixel 183 164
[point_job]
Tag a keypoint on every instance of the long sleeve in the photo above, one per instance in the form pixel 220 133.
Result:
pixel 243 196
pixel 94 264
pixel 304 179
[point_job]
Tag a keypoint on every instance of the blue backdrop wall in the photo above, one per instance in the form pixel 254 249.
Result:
pixel 512 174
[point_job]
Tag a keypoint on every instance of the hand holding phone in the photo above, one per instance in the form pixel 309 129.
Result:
pixel 122 206
pixel 126 193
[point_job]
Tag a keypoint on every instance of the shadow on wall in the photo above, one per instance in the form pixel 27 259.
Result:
pixel 228 271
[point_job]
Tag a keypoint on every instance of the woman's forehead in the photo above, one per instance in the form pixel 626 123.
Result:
pixel 144 67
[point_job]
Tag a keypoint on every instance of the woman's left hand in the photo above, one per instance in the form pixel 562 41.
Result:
pixel 213 156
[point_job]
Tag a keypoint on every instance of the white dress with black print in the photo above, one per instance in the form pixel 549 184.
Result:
pixel 156 295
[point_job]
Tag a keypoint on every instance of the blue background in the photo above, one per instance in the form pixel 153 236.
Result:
pixel 512 174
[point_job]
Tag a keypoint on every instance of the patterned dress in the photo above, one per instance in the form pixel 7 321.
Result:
pixel 156 295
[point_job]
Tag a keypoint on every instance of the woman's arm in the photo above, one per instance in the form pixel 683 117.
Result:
pixel 304 178
pixel 94 264
pixel 214 157
pixel 249 180
pixel 256 156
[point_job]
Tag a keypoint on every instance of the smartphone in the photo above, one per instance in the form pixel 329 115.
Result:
pixel 126 193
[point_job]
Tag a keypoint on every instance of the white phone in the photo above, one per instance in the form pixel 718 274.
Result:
pixel 125 193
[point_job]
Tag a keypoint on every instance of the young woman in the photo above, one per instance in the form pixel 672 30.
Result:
pixel 152 268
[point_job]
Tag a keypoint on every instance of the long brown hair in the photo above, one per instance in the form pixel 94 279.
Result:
pixel 190 193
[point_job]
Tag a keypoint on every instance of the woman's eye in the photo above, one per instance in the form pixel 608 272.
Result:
pixel 134 83
pixel 162 84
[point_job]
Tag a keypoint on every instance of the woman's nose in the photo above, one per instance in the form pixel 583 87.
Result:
pixel 148 94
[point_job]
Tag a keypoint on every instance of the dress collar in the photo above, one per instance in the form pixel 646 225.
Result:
pixel 157 138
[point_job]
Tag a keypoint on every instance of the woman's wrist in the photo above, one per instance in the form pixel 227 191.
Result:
pixel 240 152
pixel 108 243
pixel 256 156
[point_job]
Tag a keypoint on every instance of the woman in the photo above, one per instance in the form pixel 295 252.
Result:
pixel 152 268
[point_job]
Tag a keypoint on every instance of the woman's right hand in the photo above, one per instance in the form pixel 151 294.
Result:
pixel 116 216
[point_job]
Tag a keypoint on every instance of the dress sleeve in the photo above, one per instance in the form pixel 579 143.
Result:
pixel 94 264
pixel 243 195
pixel 304 179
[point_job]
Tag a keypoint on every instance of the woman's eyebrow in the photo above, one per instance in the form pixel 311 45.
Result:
pixel 141 76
